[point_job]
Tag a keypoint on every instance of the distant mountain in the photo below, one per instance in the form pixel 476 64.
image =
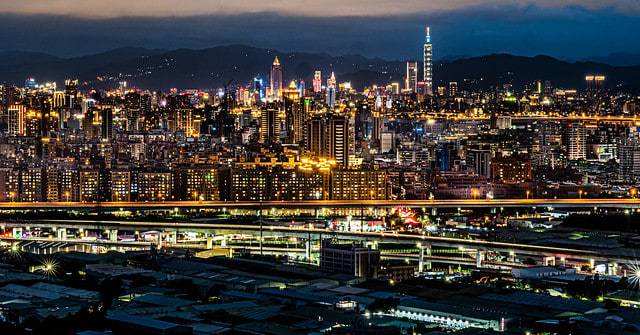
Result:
pixel 497 69
pixel 205 68
pixel 618 59
pixel 214 67
pixel 19 58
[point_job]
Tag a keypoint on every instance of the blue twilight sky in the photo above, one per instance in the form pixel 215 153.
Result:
pixel 569 29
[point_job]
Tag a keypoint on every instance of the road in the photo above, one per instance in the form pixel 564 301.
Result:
pixel 434 241
pixel 222 205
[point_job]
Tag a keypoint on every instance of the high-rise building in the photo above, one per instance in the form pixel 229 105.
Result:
pixel 481 160
pixel 9 184
pixel 359 185
pixel 199 182
pixel 411 79
pixel 89 185
pixel 269 125
pixel 629 154
pixel 428 62
pixel 338 139
pixel 276 79
pixel 317 82
pixel 453 89
pixel 70 93
pixel 107 123
pixel 17 114
pixel 316 136
pixel 576 141
pixel 154 186
pixel 120 185
pixel 511 170
pixel 331 90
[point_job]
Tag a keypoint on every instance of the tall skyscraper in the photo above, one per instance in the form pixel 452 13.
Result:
pixel 107 123
pixel 276 79
pixel 411 79
pixel 428 63
pixel 70 93
pixel 338 139
pixel 316 136
pixel 269 125
pixel 331 90
pixel 317 82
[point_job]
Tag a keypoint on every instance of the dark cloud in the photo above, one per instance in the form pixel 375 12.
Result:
pixel 569 32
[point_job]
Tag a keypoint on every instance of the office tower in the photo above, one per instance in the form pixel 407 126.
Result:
pixel 70 93
pixel 132 103
pixel 276 79
pixel 30 83
pixel 269 125
pixel 481 160
pixel 258 88
pixel 331 90
pixel 395 88
pixel 16 122
pixel 428 63
pixel 91 123
pixel 338 139
pixel 576 141
pixel 185 121
pixel 107 123
pixel 317 82
pixel 298 120
pixel 411 79
pixel 316 136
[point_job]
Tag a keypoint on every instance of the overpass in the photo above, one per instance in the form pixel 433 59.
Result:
pixel 310 232
pixel 313 204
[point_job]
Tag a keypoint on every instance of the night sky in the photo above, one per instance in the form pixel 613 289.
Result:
pixel 377 28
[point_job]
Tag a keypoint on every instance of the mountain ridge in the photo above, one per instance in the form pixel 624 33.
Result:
pixel 213 67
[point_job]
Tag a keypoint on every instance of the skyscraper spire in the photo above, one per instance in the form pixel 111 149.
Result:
pixel 276 79
pixel 428 62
